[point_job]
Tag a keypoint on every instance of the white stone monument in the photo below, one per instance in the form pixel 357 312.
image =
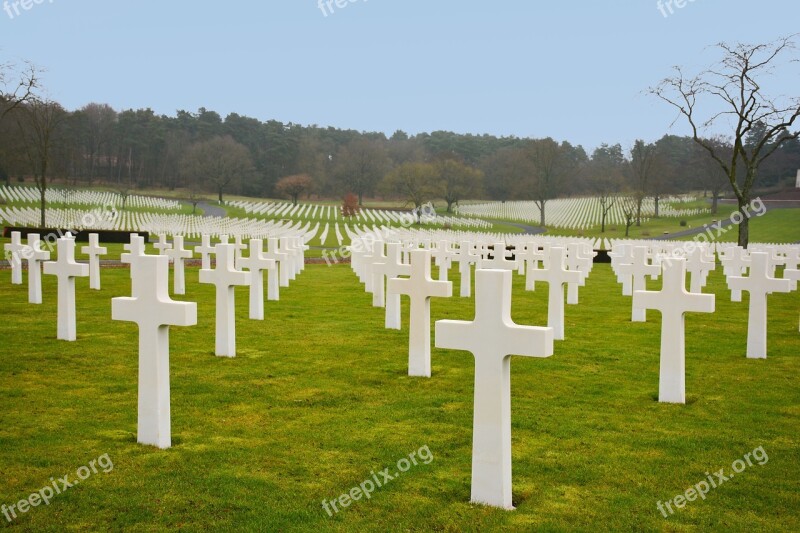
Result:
pixel 177 254
pixel 556 275
pixel 239 247
pixel 499 259
pixel 66 270
pixel 792 275
pixel 35 255
pixel 135 248
pixel 392 267
pixel 257 263
pixel 206 251
pixel 442 258
pixel 674 302
pixel 378 277
pixel 467 256
pixel 152 309
pixel 14 248
pixel 279 273
pixel 162 245
pixel 94 251
pixel 638 270
pixel 698 266
pixel 492 338
pixel 420 288
pixel 225 277
pixel 759 284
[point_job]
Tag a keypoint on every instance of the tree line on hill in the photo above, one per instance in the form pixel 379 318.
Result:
pixel 204 152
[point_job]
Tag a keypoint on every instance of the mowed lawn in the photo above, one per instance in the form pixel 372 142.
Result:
pixel 318 400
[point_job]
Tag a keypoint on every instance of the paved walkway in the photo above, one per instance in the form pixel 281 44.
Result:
pixel 211 210
pixel 529 230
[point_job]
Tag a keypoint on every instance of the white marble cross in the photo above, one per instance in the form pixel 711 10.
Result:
pixel 14 248
pixel 674 302
pixel 279 276
pixel 442 257
pixel 638 270
pixel 378 260
pixel 35 255
pixel 467 256
pixel 759 284
pixel 162 245
pixel 556 275
pixel 577 262
pixel 300 248
pixel 420 287
pixel 699 266
pixel 206 251
pixel 493 337
pixel 152 309
pixel 66 269
pixel 135 249
pixel 622 254
pixel 176 254
pixel 535 257
pixel 287 246
pixel 225 277
pixel 392 267
pixel 735 262
pixel 94 251
pixel 256 263
pixel 239 247
pixel 792 275
pixel 499 259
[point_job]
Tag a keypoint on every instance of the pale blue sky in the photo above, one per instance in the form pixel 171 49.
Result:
pixel 574 70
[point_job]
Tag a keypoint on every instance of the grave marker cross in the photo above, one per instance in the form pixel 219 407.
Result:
pixel 493 337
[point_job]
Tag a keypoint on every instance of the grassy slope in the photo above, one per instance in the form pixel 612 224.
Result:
pixel 777 226
pixel 318 397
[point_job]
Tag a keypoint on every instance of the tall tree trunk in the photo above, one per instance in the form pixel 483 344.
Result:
pixel 219 192
pixel 639 212
pixel 714 201
pixel 541 213
pixel 744 225
pixel 655 200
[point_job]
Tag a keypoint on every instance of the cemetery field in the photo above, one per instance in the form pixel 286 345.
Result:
pixel 318 401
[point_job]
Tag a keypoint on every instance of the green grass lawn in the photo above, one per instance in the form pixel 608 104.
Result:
pixel 775 226
pixel 318 398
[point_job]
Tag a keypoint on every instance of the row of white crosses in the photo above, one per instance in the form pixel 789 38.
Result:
pixel 66 269
pixel 152 309
pixel 632 266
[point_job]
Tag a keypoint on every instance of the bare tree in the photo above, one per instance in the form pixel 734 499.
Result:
pixel 641 167
pixel 360 165
pixel 605 186
pixel 416 182
pixel 761 124
pixel 546 156
pixel 38 121
pixel 16 88
pixel 628 205
pixel 217 162
pixel 457 180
